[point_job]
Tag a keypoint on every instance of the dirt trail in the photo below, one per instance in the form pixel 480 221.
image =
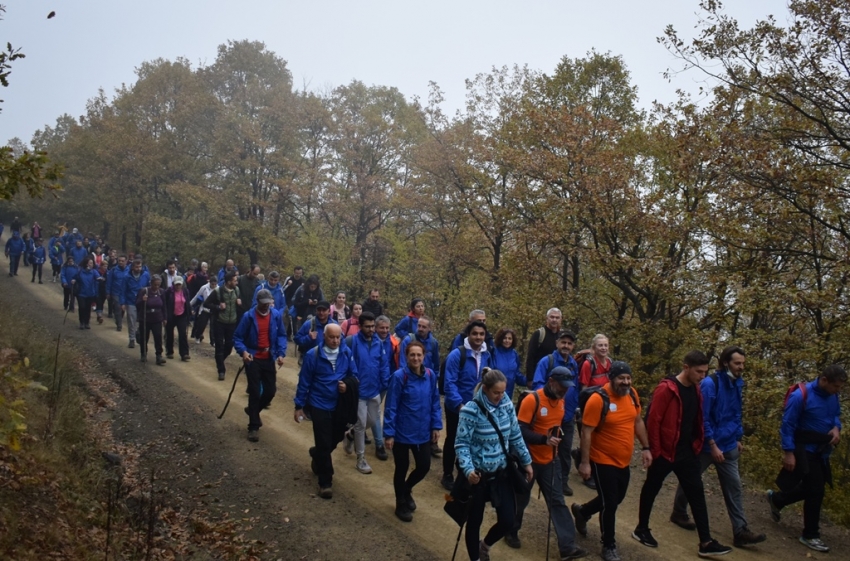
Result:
pixel 272 479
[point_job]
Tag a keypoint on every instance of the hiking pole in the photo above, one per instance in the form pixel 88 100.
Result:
pixel 457 543
pixel 555 431
pixel 233 387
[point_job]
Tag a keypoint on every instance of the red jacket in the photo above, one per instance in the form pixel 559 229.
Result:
pixel 665 421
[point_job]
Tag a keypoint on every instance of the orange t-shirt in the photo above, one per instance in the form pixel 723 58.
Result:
pixel 263 341
pixel 549 415
pixel 614 443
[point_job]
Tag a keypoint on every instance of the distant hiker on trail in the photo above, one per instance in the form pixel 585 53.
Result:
pixel 100 298
pixel 260 339
pixel 610 422
pixel 595 367
pixel 722 401
pixel 15 248
pixel 170 274
pixel 542 341
pixel 275 289
pixel 328 389
pixel 540 417
pixel 78 252
pixel 311 333
pixel 372 304
pixel 676 435
pixel 57 256
pixel 16 225
pixel 35 231
pixel 351 326
pixel 115 279
pixel 150 304
pixel 810 431
pixel 475 315
pixel 339 310
pixel 412 388
pixel 68 277
pixel 86 289
pixel 482 461
pixel 39 256
pixel 29 247
pixel 203 316
pixel 228 267
pixel 177 317
pixel 506 358
pixel 135 281
pixel 223 303
pixel 290 285
pixel 408 323
pixel 248 284
pixel 382 333
pixel 305 300
pixel 423 335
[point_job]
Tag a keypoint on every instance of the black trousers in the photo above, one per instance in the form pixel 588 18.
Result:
pixel 323 422
pixel 449 455
pixel 155 329
pixel 68 298
pixel 36 269
pixel 611 485
pixel 402 482
pixel 181 323
pixel 14 263
pixel 84 308
pixel 262 385
pixel 57 269
pixel 689 474
pixel 200 325
pixel 811 490
pixel 223 343
pixel 489 488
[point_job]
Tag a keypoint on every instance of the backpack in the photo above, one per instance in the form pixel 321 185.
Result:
pixel 522 397
pixel 396 343
pixel 589 391
pixel 588 357
pixel 804 391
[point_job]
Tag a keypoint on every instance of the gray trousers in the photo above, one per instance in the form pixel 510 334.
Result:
pixel 548 477
pixel 730 484
pixel 132 322
pixel 367 411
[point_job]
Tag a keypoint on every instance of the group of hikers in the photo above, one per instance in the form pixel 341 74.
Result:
pixel 358 373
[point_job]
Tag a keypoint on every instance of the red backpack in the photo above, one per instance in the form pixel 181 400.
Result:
pixel 804 391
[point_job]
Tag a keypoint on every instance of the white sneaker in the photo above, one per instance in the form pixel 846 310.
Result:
pixel 362 465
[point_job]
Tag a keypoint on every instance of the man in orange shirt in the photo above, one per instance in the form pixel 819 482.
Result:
pixel 540 416
pixel 607 440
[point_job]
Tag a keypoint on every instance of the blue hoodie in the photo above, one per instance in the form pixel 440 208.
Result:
pixel 57 253
pixel 132 286
pixel 247 332
pixel 15 245
pixel 39 255
pixel 87 281
pixel 459 386
pixel 78 253
pixel 821 413
pixel 432 351
pixel 317 381
pixel 541 376
pixel 277 294
pixel 722 410
pixel 115 280
pixel 507 360
pixel 373 364
pixel 303 339
pixel 407 324
pixel 412 408
pixel 68 273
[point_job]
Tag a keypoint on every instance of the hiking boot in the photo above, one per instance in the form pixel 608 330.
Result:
pixel 581 521
pixel 568 491
pixel 367 440
pixel 348 444
pixel 160 361
pixel 88 326
pixel 512 539
pixel 411 504
pixel 326 492
pixel 144 358
pixel 169 355
pixel 815 544
pixel 221 375
pixel 436 451
pixel 746 537
pixel 611 554
pixel 381 453
pixel 483 551
pixel 713 548
pixel 644 536
pixel 576 553
pixel 775 511
pixel 590 484
pixel 100 320
pixel 253 436
pixel 683 521
pixel 362 465
pixel 131 344
pixel 185 358
pixel 403 513
pixel 448 482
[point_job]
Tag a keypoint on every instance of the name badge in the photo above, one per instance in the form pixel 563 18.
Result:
pixel 613 407
pixel 543 411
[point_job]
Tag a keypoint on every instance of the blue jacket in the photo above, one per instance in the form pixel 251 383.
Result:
pixel 412 408
pixel 87 281
pixel 39 255
pixel 459 386
pixel 115 280
pixel 821 414
pixel 541 376
pixel 78 253
pixel 302 338
pixel 407 325
pixel 277 294
pixel 722 410
pixel 132 286
pixel 68 273
pixel 247 332
pixel 15 245
pixel 507 360
pixel 432 351
pixel 317 381
pixel 373 364
pixel 30 245
pixel 57 253
pixel 477 444
pixel 221 275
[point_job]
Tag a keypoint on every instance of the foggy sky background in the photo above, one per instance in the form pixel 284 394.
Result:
pixel 405 44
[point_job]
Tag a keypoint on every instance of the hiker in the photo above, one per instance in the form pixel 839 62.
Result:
pixel 423 335
pixel 306 298
pixel 596 364
pixel 810 430
pixel 29 247
pixel 290 285
pixel 115 279
pixel 15 248
pixel 482 462
pixel 39 256
pixel 676 435
pixel 373 371
pixel 203 316
pixel 150 304
pixel 542 341
pixel 351 326
pixel 170 274
pixel 311 333
pixel 372 304
pixel 228 267
pixel 223 303
pixel 408 323
pixel 506 359
pixel 412 389
pixel 540 417
pixel 86 289
pixel 327 374
pixel 178 312
pixel 248 284
pixel 275 289
pixel 722 412
pixel 610 422
pixel 68 277
pixel 137 279
pixel 339 310
pixel 100 299
pixel 464 367
pixel 260 339
pixel 57 256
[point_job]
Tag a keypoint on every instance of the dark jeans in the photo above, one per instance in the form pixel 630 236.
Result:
pixel 323 422
pixel 811 490
pixel 403 483
pixel 689 474
pixel 57 269
pixel 84 308
pixel 36 269
pixel 548 477
pixel 485 490
pixel 156 330
pixel 14 262
pixel 182 325
pixel 201 321
pixel 611 486
pixel 262 385
pixel 223 343
pixel 449 456
pixel 68 298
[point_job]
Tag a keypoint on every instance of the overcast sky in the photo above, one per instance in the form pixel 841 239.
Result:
pixel 98 43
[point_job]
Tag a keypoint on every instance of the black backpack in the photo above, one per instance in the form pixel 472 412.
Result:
pixel 589 391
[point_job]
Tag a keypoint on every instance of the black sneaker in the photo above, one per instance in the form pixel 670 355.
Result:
pixel 644 536
pixel 403 513
pixel 411 504
pixel 381 453
pixel 567 490
pixel 713 548
pixel 590 484
pixel 169 355
pixel 775 512
pixel 448 482
pixel 512 539
pixel 576 553
pixel 253 436
pixel 581 521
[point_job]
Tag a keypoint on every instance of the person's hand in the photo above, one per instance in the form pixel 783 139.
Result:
pixel 222 306
pixel 279 361
pixel 646 458
pixel 145 297
pixel 299 415
pixel 789 462
pixel 123 307
pixel 584 470
pixel 74 281
pixel 474 478
pixel 553 441
pixel 529 473
pixel 435 436
pixel 836 436
pixel 740 446
pixel 341 387
pixel 313 335
pixel 246 356
pixel 717 454
pixel 388 443
pixel 238 301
